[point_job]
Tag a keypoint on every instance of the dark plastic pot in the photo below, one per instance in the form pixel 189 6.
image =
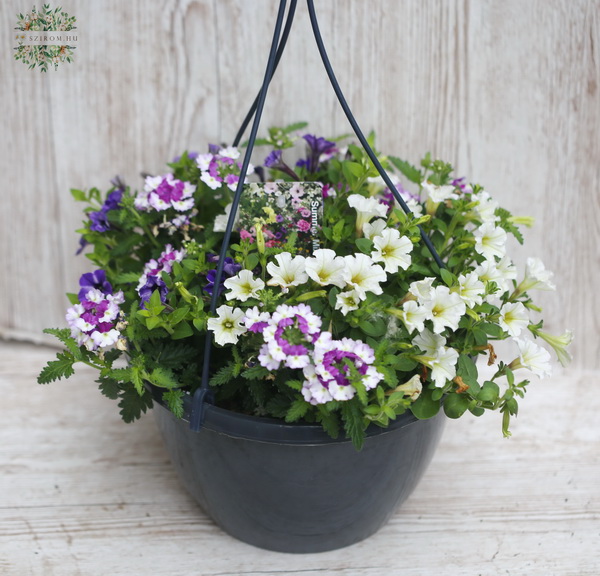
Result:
pixel 291 488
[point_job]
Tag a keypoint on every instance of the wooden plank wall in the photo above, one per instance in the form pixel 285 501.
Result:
pixel 507 91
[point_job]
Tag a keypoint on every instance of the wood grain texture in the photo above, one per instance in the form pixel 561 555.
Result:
pixel 506 91
pixel 83 493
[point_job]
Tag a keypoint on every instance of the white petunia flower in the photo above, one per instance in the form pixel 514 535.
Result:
pixel 392 249
pixel 412 388
pixel 221 220
pixel 363 275
pixel 414 316
pixel 471 289
pixel 288 271
pixel 536 277
pixel 445 309
pixel 228 326
pixel 439 193
pixel 486 207
pixel 559 344
pixel 507 269
pixel 487 271
pixel 422 289
pixel 325 268
pixel 443 366
pixel 347 301
pixel 243 286
pixel 366 209
pixel 532 357
pixel 513 318
pixel 375 228
pixel 490 241
pixel 429 342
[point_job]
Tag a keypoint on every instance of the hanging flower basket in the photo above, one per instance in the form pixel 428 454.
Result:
pixel 301 327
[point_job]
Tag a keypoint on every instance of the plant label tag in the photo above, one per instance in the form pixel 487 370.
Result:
pixel 283 211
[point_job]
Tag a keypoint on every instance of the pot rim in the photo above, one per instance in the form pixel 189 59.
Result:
pixel 271 430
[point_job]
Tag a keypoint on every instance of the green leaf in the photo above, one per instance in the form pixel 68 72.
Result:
pixel 364 245
pixel 132 405
pixel 353 423
pixel 489 392
pixel 297 410
pixel 109 387
pixel 182 330
pixel 425 406
pixel 223 376
pixel 163 378
pixel 413 174
pixel 467 369
pixel 455 405
pixel 374 329
pixel 136 379
pixel 126 278
pixel 448 278
pixel 153 322
pixel 62 367
pixel 174 401
pixel 79 195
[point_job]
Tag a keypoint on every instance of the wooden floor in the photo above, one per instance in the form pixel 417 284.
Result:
pixel 83 494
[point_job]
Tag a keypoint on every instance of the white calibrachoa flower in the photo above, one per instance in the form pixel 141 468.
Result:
pixel 487 271
pixel 221 220
pixel 414 316
pixel 429 342
pixel 366 209
pixel 422 289
pixel 536 277
pixel 440 359
pixel 439 193
pixel 288 271
pixel 243 286
pixel 363 275
pixel 507 269
pixel 471 289
pixel 392 249
pixel 486 207
pixel 375 228
pixel 325 268
pixel 445 309
pixel 443 366
pixel 559 344
pixel 514 318
pixel 228 325
pixel 412 388
pixel 490 241
pixel 347 301
pixel 532 357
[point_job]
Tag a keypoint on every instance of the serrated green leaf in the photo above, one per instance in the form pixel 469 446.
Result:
pixel 62 367
pixel 163 378
pixel 109 387
pixel 353 423
pixel 132 405
pixel 297 410
pixel 410 172
pixel 174 401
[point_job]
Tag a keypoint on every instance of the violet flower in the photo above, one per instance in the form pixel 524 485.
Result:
pixel 94 280
pixel 319 150
pixel 230 268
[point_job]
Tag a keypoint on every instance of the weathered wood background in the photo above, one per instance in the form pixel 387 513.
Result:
pixel 507 91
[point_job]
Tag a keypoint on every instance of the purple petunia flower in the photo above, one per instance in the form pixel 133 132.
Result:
pixel 319 150
pixel 230 268
pixel 94 280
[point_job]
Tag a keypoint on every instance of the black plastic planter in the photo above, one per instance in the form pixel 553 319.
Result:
pixel 291 488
